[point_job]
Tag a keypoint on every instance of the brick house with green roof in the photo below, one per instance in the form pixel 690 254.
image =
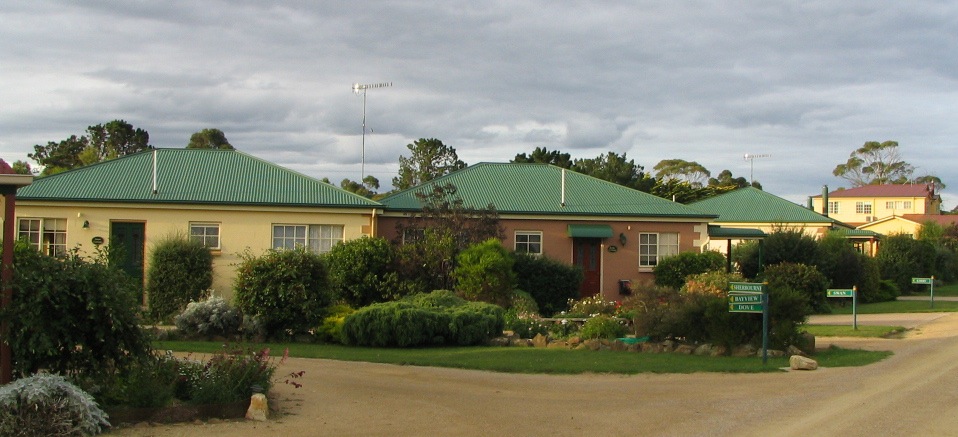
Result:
pixel 613 232
pixel 231 201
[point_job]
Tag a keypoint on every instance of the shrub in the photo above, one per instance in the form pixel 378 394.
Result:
pixel 484 273
pixel 602 326
pixel 210 317
pixel 72 316
pixel 181 270
pixel 523 303
pixel 48 405
pixel 782 245
pixel 714 283
pixel 421 320
pixel 149 383
pixel 331 331
pixel 649 305
pixel 551 283
pixel 804 279
pixel 361 271
pixel 672 271
pixel 525 326
pixel 230 376
pixel 287 290
pixel 901 258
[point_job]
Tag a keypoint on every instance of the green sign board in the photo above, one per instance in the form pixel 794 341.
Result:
pixel 746 287
pixel 923 281
pixel 839 292
pixel 745 307
pixel 744 298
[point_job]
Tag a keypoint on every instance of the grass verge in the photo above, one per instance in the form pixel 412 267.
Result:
pixel 898 306
pixel 848 331
pixel 538 360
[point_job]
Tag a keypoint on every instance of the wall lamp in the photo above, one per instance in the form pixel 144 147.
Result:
pixel 622 239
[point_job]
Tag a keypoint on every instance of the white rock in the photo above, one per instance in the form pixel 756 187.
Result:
pixel 798 362
pixel 258 408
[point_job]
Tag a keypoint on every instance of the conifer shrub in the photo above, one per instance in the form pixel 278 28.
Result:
pixel 181 271
pixel 361 271
pixel 551 283
pixel 804 279
pixel 484 273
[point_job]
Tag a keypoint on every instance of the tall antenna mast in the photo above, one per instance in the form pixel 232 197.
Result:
pixel 361 89
pixel 751 159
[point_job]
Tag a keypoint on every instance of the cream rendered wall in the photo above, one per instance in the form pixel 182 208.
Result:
pixel 721 246
pixel 846 207
pixel 242 229
pixel 893 226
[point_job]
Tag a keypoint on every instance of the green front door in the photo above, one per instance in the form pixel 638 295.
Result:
pixel 127 238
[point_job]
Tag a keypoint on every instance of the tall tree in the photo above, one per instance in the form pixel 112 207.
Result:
pixel 209 139
pixel 875 163
pixel 22 167
pixel 364 189
pixel 542 155
pixel 430 159
pixel 616 169
pixel 433 238
pixel 102 142
pixel 690 171
pixel 726 179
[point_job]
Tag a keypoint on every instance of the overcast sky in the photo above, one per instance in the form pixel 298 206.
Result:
pixel 805 82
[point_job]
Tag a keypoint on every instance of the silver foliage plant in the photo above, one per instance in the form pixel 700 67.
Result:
pixel 212 316
pixel 48 405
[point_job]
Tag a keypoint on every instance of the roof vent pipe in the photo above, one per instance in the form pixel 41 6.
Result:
pixel 562 199
pixel 825 200
pixel 154 172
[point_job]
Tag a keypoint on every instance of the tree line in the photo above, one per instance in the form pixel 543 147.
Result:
pixel 429 158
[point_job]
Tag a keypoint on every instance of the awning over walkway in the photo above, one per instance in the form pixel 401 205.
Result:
pixel 590 231
pixel 720 233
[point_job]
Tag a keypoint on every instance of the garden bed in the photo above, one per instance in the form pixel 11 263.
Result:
pixel 176 413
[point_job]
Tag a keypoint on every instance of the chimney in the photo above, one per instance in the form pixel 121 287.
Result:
pixel 825 200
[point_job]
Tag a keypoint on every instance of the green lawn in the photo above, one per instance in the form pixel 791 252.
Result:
pixel 539 360
pixel 900 306
pixel 945 290
pixel 848 331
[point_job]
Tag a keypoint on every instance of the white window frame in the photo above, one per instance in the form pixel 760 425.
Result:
pixel 863 208
pixel 201 231
pixel 315 238
pixel 653 247
pixel 48 235
pixel 833 207
pixel 528 245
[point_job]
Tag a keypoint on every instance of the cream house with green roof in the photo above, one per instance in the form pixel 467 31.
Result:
pixel 748 213
pixel 614 233
pixel 231 201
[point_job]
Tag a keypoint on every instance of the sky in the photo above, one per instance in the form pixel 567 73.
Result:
pixel 801 84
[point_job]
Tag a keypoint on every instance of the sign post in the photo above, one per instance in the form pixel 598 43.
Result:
pixel 751 297
pixel 927 281
pixel 847 292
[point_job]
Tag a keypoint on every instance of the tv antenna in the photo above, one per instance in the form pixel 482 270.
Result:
pixel 361 89
pixel 751 159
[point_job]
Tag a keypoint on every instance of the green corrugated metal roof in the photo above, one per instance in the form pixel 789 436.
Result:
pixel 192 176
pixel 751 205
pixel 857 233
pixel 520 188
pixel 590 231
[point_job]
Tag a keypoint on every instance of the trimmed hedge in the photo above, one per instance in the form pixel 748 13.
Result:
pixel 673 270
pixel 181 271
pixel 438 318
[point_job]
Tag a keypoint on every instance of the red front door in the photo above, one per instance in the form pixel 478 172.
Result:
pixel 586 254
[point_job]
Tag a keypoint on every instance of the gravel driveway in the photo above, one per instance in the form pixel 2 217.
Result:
pixel 912 393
